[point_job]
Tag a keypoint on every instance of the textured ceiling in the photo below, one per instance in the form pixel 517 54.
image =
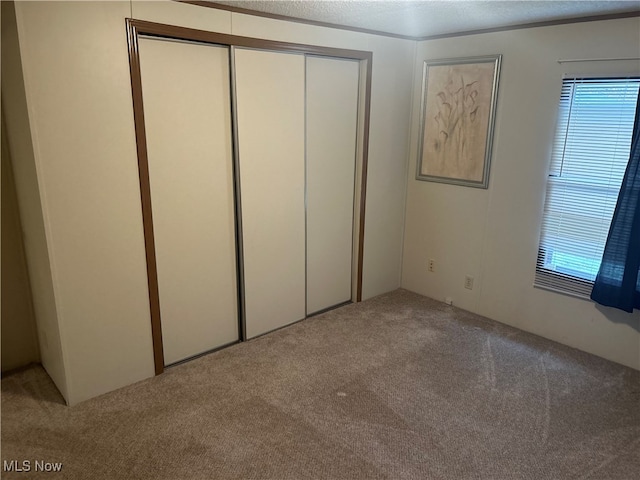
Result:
pixel 434 17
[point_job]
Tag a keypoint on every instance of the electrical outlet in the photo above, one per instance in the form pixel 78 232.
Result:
pixel 432 265
pixel 468 282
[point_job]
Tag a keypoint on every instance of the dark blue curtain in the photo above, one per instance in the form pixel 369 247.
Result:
pixel 618 281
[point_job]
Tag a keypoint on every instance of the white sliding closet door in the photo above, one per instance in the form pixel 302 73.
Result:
pixel 270 109
pixel 186 96
pixel 332 111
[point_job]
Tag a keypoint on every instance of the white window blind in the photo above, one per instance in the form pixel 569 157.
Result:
pixel 588 161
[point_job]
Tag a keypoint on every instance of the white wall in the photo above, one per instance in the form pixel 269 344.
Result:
pixel 30 201
pixel 493 234
pixel 78 97
pixel 79 103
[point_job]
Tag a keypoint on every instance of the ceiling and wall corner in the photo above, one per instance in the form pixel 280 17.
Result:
pixel 427 19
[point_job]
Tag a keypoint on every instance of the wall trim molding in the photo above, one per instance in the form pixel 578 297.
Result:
pixel 287 18
pixel 544 23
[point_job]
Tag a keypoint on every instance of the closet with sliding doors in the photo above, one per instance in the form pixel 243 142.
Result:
pixel 252 160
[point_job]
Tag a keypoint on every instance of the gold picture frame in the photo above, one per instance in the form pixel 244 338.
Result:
pixel 457 119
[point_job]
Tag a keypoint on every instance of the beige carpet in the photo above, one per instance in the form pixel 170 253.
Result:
pixel 396 387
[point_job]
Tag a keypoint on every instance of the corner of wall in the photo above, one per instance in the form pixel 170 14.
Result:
pixel 21 148
pixel 19 335
pixel 408 159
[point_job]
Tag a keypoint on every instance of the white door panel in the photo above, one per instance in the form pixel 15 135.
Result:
pixel 270 110
pixel 331 113
pixel 187 111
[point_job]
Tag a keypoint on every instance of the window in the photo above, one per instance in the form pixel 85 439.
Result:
pixel 588 161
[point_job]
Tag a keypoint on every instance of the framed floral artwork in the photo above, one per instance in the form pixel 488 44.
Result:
pixel 457 117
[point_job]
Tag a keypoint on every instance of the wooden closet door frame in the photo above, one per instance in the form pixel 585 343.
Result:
pixel 134 29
